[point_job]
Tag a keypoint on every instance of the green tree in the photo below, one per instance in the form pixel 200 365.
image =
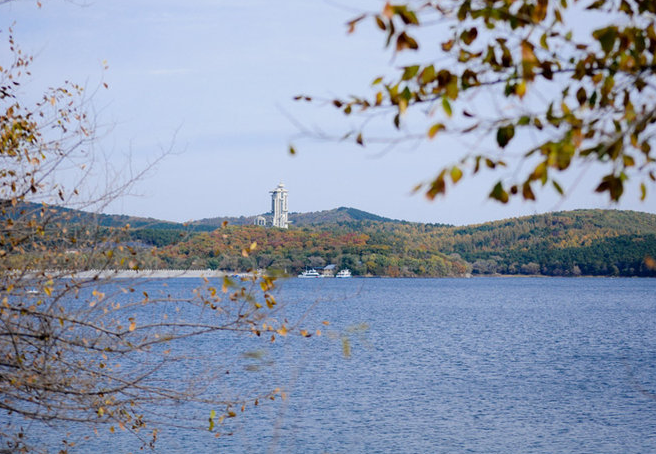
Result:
pixel 559 83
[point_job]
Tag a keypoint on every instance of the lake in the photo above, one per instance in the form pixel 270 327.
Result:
pixel 488 365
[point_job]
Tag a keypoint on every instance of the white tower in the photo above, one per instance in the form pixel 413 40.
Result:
pixel 279 206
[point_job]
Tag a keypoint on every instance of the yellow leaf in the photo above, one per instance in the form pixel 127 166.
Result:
pixel 133 325
pixel 521 89
pixel 437 127
pixel 99 295
pixel 456 174
pixel 253 245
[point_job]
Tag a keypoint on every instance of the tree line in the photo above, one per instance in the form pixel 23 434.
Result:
pixel 583 242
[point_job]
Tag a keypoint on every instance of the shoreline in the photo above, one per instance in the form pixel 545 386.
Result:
pixel 207 273
pixel 144 274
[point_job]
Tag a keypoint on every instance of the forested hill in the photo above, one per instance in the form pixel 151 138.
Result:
pixel 334 216
pixel 589 242
pixel 583 242
pixel 80 217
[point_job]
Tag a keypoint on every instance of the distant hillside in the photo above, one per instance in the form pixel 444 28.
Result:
pixel 583 242
pixel 239 248
pixel 73 216
pixel 231 220
pixel 572 243
pixel 588 242
pixel 337 215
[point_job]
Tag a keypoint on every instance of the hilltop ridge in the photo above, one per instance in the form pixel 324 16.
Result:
pixel 336 215
pixel 566 243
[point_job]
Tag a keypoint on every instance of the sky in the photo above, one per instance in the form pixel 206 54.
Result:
pixel 211 82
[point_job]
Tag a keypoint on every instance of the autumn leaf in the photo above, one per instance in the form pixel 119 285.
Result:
pixel 432 132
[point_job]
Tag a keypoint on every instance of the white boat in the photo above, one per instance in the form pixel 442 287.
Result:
pixel 344 273
pixel 311 273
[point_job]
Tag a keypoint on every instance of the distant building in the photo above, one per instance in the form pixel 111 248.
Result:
pixel 279 207
pixel 261 221
pixel 329 270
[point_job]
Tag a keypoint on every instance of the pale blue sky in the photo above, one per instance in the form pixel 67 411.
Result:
pixel 213 78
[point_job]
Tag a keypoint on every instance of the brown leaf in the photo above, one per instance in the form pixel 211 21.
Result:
pixel 405 41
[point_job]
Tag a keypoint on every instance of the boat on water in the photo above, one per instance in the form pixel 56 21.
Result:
pixel 344 273
pixel 311 273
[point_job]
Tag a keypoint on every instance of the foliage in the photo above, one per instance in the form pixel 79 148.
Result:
pixel 341 214
pixel 76 346
pixel 584 242
pixel 362 247
pixel 561 83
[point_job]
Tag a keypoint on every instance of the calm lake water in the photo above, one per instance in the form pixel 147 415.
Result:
pixel 484 365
